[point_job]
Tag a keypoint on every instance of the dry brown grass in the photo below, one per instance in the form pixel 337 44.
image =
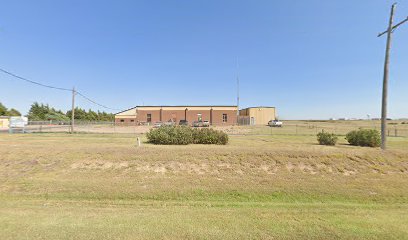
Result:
pixel 103 186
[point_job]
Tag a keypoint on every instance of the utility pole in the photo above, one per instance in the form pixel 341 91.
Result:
pixel 237 94
pixel 389 32
pixel 73 110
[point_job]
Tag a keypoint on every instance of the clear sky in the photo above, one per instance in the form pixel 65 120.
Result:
pixel 312 59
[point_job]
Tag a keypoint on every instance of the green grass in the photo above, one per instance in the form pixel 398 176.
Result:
pixel 89 186
pixel 204 220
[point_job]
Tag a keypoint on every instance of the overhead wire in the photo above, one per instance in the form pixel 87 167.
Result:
pixel 33 82
pixel 96 103
pixel 59 88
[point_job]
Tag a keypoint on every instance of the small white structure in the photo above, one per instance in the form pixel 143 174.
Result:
pixel 18 122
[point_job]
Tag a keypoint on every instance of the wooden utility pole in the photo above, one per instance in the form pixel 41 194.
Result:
pixel 237 93
pixel 389 32
pixel 73 110
pixel 238 100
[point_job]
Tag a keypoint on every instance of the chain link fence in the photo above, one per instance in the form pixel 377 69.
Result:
pixel 79 127
pixel 312 128
pixel 395 129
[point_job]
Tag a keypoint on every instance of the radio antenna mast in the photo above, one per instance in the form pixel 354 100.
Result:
pixel 237 88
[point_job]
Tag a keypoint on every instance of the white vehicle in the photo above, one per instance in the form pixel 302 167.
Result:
pixel 157 124
pixel 169 123
pixel 206 123
pixel 275 123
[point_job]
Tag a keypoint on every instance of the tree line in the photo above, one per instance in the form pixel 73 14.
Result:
pixel 4 111
pixel 43 112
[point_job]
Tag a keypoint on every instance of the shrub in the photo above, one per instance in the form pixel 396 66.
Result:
pixel 364 138
pixel 209 136
pixel 182 135
pixel 327 138
pixel 170 135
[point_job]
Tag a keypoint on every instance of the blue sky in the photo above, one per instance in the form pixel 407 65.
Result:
pixel 312 59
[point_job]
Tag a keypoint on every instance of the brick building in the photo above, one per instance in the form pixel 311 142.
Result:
pixel 216 115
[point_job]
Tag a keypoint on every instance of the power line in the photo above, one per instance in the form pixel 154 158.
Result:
pixel 33 82
pixel 58 88
pixel 96 103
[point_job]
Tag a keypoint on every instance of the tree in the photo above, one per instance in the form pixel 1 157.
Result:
pixel 82 114
pixel 13 112
pixel 41 112
pixel 3 110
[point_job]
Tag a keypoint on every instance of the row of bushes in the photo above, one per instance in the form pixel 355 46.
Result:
pixel 182 135
pixel 362 137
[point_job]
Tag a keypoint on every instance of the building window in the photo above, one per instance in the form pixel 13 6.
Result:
pixel 200 117
pixel 122 120
pixel 132 120
pixel 224 117
pixel 149 117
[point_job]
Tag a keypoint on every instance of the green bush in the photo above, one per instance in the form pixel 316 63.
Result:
pixel 170 135
pixel 364 138
pixel 182 135
pixel 327 138
pixel 209 136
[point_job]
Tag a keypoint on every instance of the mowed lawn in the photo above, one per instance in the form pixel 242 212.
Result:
pixel 89 186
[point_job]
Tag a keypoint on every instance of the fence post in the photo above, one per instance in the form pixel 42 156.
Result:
pixel 296 129
pixel 396 132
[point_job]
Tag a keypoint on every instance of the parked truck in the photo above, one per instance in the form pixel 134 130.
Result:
pixel 275 123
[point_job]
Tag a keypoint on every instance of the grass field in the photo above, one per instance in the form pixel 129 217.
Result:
pixel 90 186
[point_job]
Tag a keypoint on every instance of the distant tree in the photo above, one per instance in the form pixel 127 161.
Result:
pixel 92 116
pixel 36 112
pixel 13 112
pixel 41 112
pixel 82 114
pixel 3 110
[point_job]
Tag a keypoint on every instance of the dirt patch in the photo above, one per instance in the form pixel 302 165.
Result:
pixel 99 165
pixel 273 169
pixel 241 168
pixel 306 168
pixel 349 172
pixel 30 162
pixel 290 167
